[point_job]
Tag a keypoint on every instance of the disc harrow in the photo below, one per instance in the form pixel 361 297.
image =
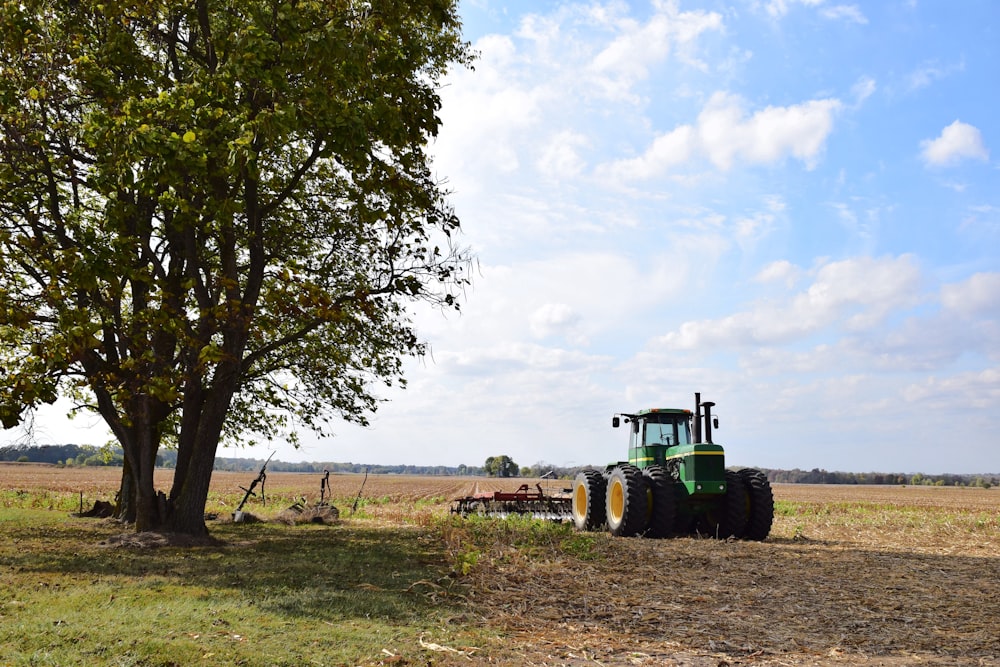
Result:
pixel 523 502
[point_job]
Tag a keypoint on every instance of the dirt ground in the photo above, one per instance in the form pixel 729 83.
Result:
pixel 102 483
pixel 851 575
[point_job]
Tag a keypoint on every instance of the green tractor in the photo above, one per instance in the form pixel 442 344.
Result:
pixel 673 483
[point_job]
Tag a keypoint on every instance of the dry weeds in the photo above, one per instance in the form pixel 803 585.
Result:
pixel 850 575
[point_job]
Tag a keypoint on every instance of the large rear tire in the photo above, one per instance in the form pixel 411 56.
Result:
pixel 627 506
pixel 729 517
pixel 662 507
pixel 588 500
pixel 760 504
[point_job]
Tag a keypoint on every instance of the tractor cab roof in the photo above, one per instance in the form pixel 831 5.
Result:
pixel 650 411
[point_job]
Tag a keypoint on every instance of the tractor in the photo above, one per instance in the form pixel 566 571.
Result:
pixel 675 482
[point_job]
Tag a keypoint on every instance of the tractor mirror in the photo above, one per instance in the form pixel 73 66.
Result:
pixel 715 422
pixel 615 422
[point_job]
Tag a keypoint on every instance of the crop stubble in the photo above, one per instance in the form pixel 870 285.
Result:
pixel 850 575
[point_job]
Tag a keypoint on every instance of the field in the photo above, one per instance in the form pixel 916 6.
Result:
pixel 850 575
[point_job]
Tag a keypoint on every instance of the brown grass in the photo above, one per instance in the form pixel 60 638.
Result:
pixel 103 482
pixel 850 575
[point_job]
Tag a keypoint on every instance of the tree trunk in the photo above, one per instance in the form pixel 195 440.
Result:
pixel 125 502
pixel 190 494
pixel 199 442
pixel 137 499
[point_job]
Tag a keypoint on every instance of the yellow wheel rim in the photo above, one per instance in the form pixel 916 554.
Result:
pixel 580 500
pixel 616 501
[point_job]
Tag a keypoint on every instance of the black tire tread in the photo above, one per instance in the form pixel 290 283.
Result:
pixel 729 518
pixel 634 516
pixel 663 511
pixel 595 487
pixel 734 521
pixel 761 515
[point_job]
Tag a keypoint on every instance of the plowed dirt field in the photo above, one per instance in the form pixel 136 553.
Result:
pixel 851 575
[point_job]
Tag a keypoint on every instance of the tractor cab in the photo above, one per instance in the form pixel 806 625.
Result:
pixel 653 432
pixel 679 441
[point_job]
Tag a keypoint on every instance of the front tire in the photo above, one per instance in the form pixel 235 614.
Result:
pixel 760 504
pixel 627 506
pixel 662 507
pixel 589 489
pixel 729 517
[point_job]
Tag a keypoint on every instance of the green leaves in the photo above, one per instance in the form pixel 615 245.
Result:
pixel 226 199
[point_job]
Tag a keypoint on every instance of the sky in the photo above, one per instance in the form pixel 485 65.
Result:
pixel 790 206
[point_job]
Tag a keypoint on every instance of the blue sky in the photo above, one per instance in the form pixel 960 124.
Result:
pixel 791 206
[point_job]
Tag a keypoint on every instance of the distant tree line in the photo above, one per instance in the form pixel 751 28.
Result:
pixel 496 466
pixel 70 455
pixel 818 476
pixel 90 455
pixel 247 465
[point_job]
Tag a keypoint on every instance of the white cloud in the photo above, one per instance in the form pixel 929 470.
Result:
pixel 485 110
pixel 931 72
pixel 749 229
pixel 853 295
pixel 863 89
pixel 638 46
pixel 982 219
pixel 851 13
pixel 551 319
pixel 769 135
pixel 959 141
pixel 779 8
pixel 667 151
pixel 725 135
pixel 560 158
pixel 541 95
pixel 577 295
pixel 977 296
pixel 781 271
pixel 976 389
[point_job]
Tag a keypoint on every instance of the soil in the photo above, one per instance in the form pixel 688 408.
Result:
pixel 154 539
pixel 850 576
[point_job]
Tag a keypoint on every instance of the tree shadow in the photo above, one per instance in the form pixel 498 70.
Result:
pixel 330 572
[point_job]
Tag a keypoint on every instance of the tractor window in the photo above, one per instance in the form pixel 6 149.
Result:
pixel 660 434
pixel 670 433
pixel 683 432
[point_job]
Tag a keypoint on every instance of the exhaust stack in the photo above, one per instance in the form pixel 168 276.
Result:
pixel 708 420
pixel 697 417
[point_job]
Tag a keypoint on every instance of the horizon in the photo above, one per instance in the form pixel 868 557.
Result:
pixel 541 464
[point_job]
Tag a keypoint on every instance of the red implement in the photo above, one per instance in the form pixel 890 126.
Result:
pixel 524 502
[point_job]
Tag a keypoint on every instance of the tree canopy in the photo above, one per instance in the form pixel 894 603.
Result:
pixel 214 215
pixel 501 466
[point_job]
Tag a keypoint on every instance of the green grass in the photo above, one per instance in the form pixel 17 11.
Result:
pixel 40 499
pixel 471 539
pixel 366 591
pixel 273 595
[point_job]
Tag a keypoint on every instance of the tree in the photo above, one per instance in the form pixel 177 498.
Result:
pixel 214 217
pixel 501 466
